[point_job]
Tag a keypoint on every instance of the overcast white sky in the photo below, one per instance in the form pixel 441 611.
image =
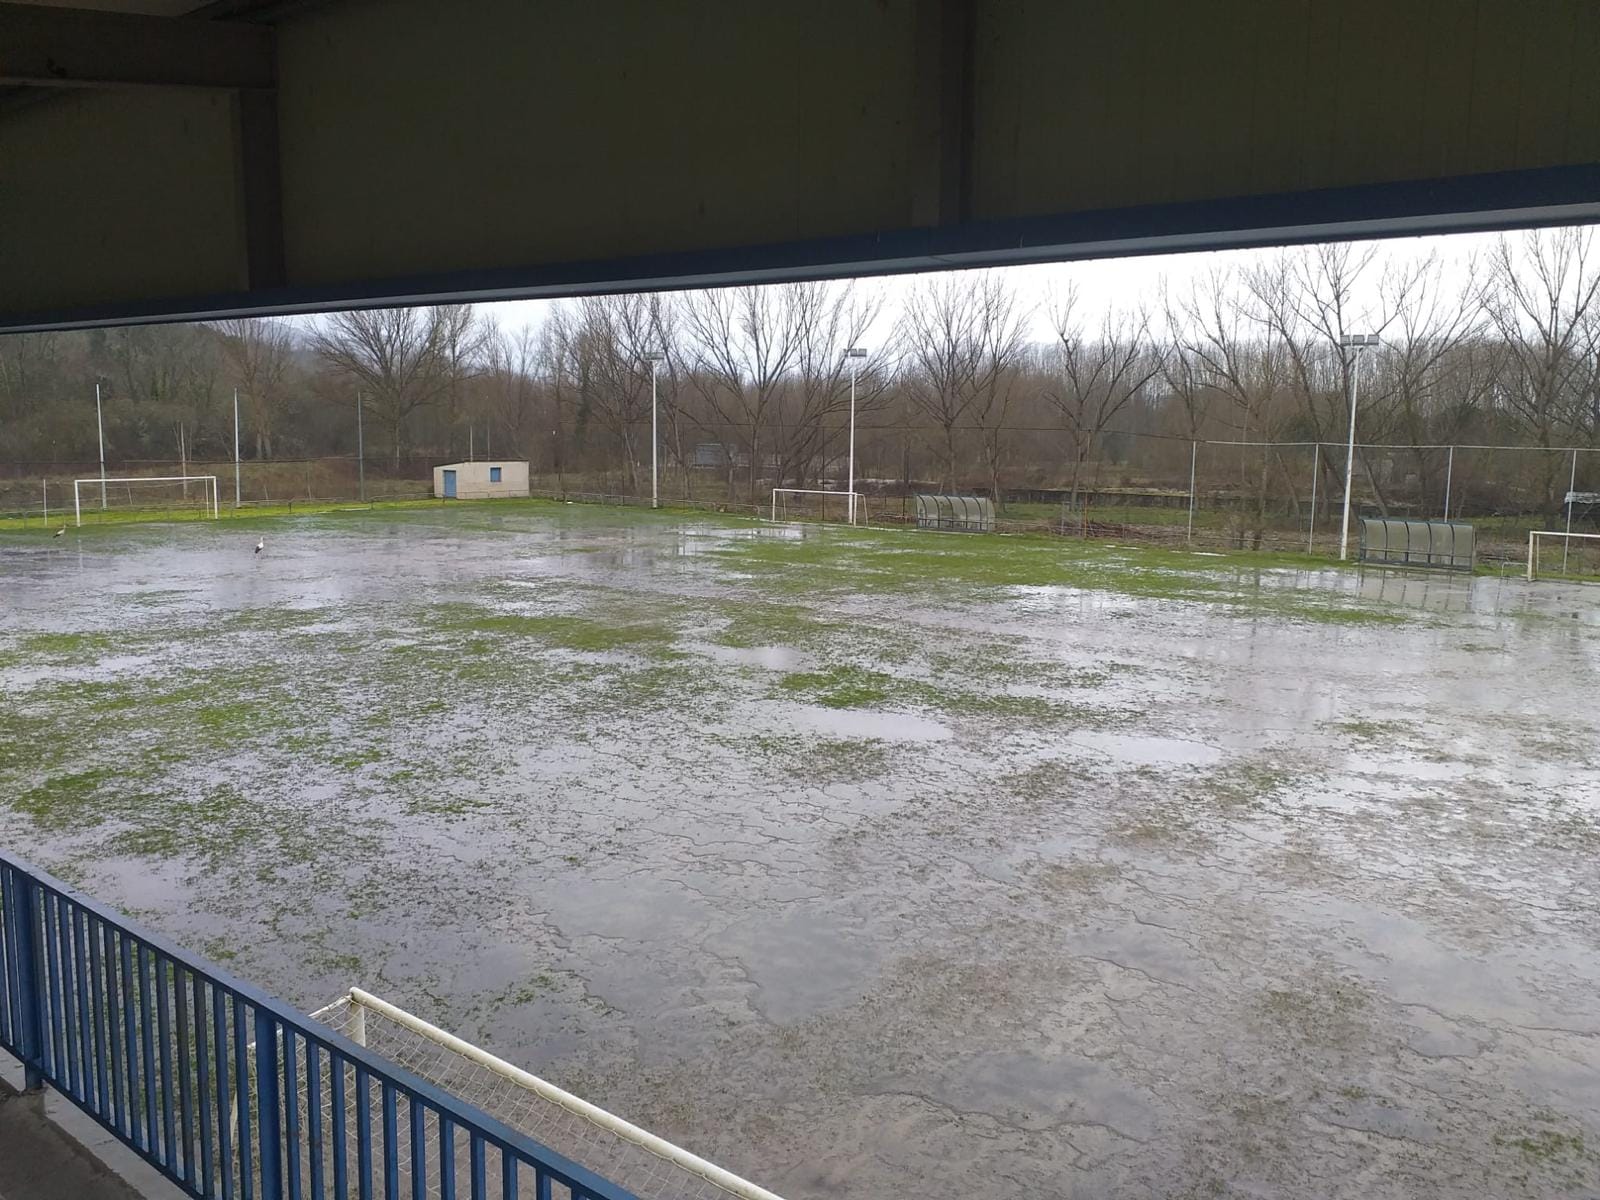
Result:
pixel 1114 282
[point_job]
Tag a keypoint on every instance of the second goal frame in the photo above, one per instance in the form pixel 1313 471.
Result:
pixel 854 505
pixel 77 489
pixel 1533 546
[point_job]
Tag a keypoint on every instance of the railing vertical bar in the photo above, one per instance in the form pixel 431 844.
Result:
pixel 447 1158
pixel 185 1060
pixel 291 1111
pixel 52 959
pixel 71 1076
pixel 130 1044
pixel 269 1132
pixel 419 1149
pixel 159 968
pixel 226 1112
pixel 141 954
pixel 202 1070
pixel 479 1184
pixel 117 1048
pixel 391 1151
pixel 89 1073
pixel 10 972
pixel 245 1097
pixel 314 1117
pixel 541 1184
pixel 98 990
pixel 28 900
pixel 72 996
pixel 340 1134
pixel 363 1135
pixel 508 1175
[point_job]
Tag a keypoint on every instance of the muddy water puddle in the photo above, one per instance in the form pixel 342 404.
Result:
pixel 861 891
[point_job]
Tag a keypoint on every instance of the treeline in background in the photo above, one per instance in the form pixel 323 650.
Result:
pixel 1487 377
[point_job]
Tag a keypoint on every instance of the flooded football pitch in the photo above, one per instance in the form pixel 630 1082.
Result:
pixel 864 863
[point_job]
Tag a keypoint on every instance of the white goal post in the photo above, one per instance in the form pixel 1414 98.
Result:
pixel 1533 546
pixel 854 502
pixel 631 1157
pixel 77 485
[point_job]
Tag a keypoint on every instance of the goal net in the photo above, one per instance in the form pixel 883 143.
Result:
pixel 176 495
pixel 815 504
pixel 642 1163
pixel 1555 554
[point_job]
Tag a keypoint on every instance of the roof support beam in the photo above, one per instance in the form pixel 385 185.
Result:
pixel 942 152
pixel 259 177
pixel 69 47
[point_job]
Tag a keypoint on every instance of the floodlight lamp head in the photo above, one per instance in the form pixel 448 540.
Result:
pixel 855 352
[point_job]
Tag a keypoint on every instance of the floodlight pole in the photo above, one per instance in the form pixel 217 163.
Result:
pixel 100 425
pixel 654 359
pixel 1356 343
pixel 855 354
pixel 236 449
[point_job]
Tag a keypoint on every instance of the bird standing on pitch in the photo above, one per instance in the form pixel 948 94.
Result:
pixel 60 532
pixel 261 544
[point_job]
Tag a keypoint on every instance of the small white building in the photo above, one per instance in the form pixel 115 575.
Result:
pixel 480 480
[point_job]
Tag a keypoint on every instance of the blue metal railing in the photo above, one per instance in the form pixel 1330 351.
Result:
pixel 227 1091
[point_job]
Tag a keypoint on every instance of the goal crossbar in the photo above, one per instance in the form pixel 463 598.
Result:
pixel 1533 545
pixel 77 484
pixel 353 1013
pixel 853 500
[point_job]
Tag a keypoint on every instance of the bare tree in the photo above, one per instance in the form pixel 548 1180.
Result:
pixel 258 352
pixel 1435 384
pixel 511 386
pixel 403 360
pixel 743 343
pixel 1540 298
pixel 1098 373
pixel 961 339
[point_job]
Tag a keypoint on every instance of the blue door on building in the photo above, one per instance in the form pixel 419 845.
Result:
pixel 449 485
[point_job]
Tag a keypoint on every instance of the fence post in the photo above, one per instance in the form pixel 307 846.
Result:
pixel 1194 453
pixel 1311 531
pixel 1449 471
pixel 267 1115
pixel 1566 542
pixel 22 926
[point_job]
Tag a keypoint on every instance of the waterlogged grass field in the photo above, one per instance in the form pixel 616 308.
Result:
pixel 864 863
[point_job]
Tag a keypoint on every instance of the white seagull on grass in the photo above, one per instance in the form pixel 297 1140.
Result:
pixel 59 532
pixel 261 544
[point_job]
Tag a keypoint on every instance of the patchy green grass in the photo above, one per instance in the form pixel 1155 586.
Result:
pixel 840 687
pixel 826 561
pixel 56 646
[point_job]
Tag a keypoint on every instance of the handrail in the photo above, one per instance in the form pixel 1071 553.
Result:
pixel 159 1046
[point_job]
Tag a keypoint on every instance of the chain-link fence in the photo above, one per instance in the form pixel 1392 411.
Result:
pixel 1172 491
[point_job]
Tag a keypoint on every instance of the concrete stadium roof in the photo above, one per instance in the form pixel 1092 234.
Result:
pixel 168 160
